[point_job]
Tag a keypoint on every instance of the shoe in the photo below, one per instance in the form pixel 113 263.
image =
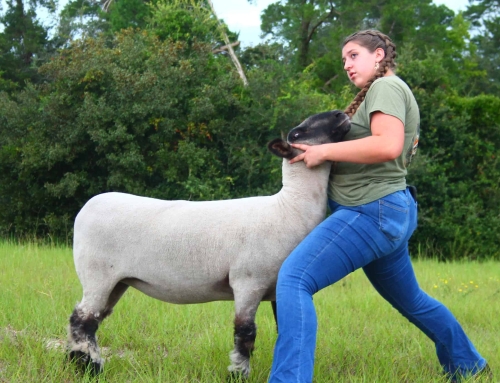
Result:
pixel 485 375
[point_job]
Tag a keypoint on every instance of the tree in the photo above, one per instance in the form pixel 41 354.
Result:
pixel 456 170
pixel 297 22
pixel 23 43
pixel 194 20
pixel 314 31
pixel 485 18
pixel 133 114
pixel 186 20
pixel 229 47
pixel 82 18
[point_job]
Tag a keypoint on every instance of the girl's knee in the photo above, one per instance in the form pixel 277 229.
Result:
pixel 292 279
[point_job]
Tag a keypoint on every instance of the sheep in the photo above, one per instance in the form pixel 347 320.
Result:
pixel 194 252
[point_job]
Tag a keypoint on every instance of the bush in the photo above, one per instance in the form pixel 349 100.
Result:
pixel 133 114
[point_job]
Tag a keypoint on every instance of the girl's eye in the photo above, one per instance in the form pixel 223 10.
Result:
pixel 353 56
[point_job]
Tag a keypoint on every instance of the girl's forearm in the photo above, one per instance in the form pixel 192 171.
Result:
pixel 368 150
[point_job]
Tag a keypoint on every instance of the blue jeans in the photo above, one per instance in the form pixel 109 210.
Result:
pixel 375 237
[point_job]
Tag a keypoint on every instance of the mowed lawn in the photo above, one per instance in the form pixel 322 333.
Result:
pixel 360 337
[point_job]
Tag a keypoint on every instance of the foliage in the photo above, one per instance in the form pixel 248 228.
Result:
pixel 182 20
pixel 485 18
pixel 315 29
pixel 185 20
pixel 162 119
pixel 23 42
pixel 298 22
pixel 128 13
pixel 139 116
pixel 80 18
pixel 457 169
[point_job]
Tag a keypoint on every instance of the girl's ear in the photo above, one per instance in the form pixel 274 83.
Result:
pixel 379 54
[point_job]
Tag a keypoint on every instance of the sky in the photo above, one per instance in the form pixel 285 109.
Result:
pixel 243 17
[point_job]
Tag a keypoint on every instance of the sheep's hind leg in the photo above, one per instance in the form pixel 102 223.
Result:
pixel 275 313
pixel 82 341
pixel 83 324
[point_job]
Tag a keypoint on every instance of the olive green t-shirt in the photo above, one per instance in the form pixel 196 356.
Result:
pixel 356 184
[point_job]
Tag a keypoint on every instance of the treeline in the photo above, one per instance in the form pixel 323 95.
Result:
pixel 142 97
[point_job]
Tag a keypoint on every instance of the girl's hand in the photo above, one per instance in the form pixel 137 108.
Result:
pixel 312 156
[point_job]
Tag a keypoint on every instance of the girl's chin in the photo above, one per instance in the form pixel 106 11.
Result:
pixel 359 83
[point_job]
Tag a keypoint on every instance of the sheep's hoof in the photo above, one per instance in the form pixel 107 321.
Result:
pixel 235 377
pixel 84 363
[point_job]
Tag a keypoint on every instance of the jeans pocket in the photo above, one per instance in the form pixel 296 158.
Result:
pixel 393 215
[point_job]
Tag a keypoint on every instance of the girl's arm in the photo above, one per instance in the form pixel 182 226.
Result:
pixel 385 144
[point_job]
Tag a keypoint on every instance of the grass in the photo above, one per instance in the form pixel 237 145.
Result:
pixel 361 338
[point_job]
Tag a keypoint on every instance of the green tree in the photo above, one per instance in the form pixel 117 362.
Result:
pixel 138 115
pixel 485 18
pixel 456 170
pixel 128 13
pixel 297 22
pixel 23 43
pixel 315 29
pixel 189 21
pixel 80 19
pixel 89 18
pixel 183 20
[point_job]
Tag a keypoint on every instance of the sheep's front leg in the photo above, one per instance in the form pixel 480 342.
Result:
pixel 245 332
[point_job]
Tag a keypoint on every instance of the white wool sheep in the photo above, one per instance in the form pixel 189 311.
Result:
pixel 195 252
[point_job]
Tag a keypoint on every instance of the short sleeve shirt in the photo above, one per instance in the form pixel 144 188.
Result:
pixel 354 184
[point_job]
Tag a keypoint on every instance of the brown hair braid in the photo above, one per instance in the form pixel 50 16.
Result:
pixel 372 39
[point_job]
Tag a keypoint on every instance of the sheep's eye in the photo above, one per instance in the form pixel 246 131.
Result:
pixel 296 135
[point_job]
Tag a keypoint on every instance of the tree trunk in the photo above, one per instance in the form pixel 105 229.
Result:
pixel 230 49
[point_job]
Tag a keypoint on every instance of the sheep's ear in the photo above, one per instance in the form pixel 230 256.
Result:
pixel 281 148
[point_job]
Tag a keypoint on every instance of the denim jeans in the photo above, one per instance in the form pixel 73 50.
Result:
pixel 375 237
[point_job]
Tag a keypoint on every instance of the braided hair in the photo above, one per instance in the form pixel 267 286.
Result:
pixel 372 39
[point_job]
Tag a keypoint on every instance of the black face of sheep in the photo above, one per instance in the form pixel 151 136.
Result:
pixel 322 128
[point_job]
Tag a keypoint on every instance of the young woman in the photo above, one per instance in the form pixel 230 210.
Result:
pixel 373 216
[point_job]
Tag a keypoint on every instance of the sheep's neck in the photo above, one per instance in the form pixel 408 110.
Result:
pixel 304 188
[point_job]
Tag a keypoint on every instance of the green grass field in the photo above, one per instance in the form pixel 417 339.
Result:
pixel 360 338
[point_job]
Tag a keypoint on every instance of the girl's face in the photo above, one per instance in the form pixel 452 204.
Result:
pixel 359 62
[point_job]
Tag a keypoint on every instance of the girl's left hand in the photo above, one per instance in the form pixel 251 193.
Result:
pixel 312 156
